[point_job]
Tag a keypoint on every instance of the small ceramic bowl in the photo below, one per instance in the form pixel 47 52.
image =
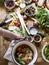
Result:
pixel 31 46
pixel 9 4
pixel 30 10
pixel 43 53
pixel 37 38
pixel 33 31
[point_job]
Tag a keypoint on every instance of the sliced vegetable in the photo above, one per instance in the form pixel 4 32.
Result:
pixel 24 28
pixel 24 54
pixel 21 61
pixel 27 50
pixel 35 24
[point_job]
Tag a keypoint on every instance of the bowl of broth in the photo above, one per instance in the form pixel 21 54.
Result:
pixel 24 53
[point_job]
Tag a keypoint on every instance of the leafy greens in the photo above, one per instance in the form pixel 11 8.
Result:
pixel 42 17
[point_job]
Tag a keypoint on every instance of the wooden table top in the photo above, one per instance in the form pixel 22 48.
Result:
pixel 5 43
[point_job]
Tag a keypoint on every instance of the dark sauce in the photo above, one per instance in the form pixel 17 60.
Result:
pixel 37 38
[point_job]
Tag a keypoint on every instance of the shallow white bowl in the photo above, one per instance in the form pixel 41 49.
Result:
pixel 43 53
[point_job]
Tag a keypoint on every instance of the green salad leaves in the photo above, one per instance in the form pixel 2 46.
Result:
pixel 43 17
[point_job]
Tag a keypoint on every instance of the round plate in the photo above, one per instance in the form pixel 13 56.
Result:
pixel 33 31
pixel 43 54
pixel 44 43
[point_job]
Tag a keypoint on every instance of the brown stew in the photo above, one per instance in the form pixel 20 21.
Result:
pixel 24 54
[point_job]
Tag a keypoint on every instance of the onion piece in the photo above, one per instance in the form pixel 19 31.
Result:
pixel 22 23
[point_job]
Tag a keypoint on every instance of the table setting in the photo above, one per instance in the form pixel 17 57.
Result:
pixel 25 23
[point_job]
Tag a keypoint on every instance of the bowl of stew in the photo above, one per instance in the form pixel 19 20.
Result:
pixel 24 53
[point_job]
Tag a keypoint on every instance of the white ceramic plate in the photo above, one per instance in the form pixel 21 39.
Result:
pixel 43 54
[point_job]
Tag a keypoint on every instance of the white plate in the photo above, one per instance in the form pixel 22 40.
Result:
pixel 43 54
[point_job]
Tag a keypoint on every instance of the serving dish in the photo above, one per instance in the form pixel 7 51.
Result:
pixel 31 10
pixel 31 46
pixel 45 52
